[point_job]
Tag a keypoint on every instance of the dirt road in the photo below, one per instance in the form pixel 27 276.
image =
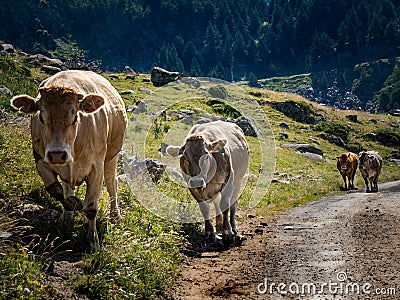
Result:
pixel 341 247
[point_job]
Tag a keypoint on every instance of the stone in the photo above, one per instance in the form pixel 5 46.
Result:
pixel 352 118
pixel 333 139
pixel 283 135
pixel 304 148
pixel 160 76
pixel 50 69
pixel 247 125
pixel 284 125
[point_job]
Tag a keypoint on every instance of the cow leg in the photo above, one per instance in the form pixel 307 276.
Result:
pixel 90 205
pixel 218 217
pixel 352 174
pixel 225 206
pixel 208 227
pixel 233 208
pixel 366 184
pixel 110 170
pixel 345 182
pixel 376 183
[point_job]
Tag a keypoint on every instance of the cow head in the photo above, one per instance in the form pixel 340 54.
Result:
pixel 57 109
pixel 365 160
pixel 196 159
pixel 344 161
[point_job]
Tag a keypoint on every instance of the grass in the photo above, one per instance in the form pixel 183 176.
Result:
pixel 139 259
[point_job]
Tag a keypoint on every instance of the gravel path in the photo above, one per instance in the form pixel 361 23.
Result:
pixel 341 247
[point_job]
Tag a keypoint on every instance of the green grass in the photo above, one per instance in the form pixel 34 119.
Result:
pixel 139 259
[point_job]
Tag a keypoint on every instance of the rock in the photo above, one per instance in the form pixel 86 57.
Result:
pixel 284 125
pixel 300 112
pixel 191 81
pixel 304 148
pixel 395 154
pixel 311 156
pixel 114 77
pixel 141 107
pixel 127 92
pixel 311 139
pixel 131 77
pixel 333 139
pixel 41 60
pixel 352 118
pixel 370 136
pixel 247 125
pixel 283 135
pixel 146 90
pixel 154 167
pixel 5 91
pixel 129 70
pixel 8 49
pixel 160 76
pixel 50 69
pixel 218 91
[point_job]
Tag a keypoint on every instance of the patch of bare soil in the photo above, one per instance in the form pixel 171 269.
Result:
pixel 341 247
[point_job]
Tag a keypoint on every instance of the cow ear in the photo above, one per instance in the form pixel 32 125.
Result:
pixel 174 151
pixel 90 103
pixel 217 146
pixel 25 104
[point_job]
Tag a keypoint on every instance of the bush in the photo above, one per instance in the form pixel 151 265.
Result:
pixel 388 137
pixel 337 129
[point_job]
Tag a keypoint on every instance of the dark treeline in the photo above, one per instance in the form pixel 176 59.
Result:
pixel 227 39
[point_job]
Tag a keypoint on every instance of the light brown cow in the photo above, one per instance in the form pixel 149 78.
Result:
pixel 214 160
pixel 78 127
pixel 370 168
pixel 347 163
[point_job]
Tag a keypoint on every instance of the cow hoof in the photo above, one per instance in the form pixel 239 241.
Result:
pixel 228 240
pixel 73 203
pixel 367 191
pixel 210 237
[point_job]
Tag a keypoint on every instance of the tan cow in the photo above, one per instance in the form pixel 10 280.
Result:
pixel 370 167
pixel 214 160
pixel 347 163
pixel 78 127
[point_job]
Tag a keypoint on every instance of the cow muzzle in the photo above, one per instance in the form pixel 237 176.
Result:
pixel 196 182
pixel 57 157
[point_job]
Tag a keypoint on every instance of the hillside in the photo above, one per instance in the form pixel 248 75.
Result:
pixel 370 86
pixel 43 253
pixel 224 39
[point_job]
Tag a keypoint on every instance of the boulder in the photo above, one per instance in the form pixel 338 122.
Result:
pixel 298 111
pixel 4 90
pixel 352 118
pixel 333 139
pixel 304 148
pixel 50 69
pixel 160 76
pixel 8 49
pixel 40 60
pixel 284 125
pixel 247 125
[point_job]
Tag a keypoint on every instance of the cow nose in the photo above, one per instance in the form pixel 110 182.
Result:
pixel 194 183
pixel 57 157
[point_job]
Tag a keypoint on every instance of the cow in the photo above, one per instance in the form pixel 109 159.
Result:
pixel 370 166
pixel 214 159
pixel 78 127
pixel 347 163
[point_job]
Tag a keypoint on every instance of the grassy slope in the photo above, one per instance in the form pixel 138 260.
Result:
pixel 139 259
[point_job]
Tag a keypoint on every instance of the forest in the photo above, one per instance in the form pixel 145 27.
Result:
pixel 226 39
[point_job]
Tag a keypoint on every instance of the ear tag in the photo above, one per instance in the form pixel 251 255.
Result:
pixel 220 151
